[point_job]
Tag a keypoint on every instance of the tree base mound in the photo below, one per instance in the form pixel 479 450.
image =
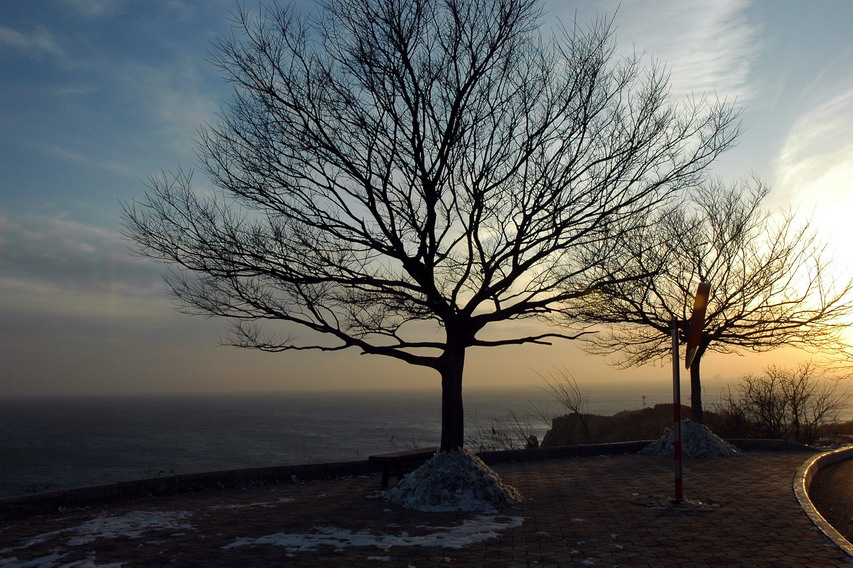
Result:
pixel 453 481
pixel 697 441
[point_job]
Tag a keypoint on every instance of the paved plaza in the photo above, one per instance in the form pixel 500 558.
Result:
pixel 584 511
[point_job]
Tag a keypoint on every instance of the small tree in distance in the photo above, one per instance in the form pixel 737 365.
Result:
pixel 781 403
pixel 772 284
pixel 395 163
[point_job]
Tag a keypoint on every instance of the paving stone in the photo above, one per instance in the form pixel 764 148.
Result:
pixel 580 511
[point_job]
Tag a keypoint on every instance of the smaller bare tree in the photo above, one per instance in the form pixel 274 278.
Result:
pixel 782 403
pixel 773 283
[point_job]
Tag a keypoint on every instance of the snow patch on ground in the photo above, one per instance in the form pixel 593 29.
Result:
pixel 470 532
pixel 697 441
pixel 453 481
pixel 52 561
pixel 131 525
pixel 43 562
pixel 265 504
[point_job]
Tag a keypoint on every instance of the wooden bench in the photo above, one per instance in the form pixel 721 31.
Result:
pixel 403 462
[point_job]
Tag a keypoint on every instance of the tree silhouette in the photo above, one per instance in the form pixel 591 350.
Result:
pixel 772 284
pixel 389 168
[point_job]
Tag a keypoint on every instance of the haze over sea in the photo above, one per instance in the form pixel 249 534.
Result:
pixel 55 443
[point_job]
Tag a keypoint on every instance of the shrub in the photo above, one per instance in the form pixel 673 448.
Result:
pixel 782 403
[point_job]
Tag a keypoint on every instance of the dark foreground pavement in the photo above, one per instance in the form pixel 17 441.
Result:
pixel 587 511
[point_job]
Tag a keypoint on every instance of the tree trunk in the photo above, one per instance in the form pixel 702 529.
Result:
pixel 696 386
pixel 452 410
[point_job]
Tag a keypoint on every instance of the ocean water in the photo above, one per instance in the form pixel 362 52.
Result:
pixel 56 443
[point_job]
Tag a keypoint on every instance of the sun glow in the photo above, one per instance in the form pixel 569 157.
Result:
pixel 814 170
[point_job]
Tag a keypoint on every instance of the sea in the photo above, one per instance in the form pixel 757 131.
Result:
pixel 52 443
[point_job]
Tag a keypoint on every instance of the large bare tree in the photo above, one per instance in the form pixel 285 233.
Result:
pixel 772 283
pixel 392 168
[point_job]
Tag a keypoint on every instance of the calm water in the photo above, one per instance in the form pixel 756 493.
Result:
pixel 55 443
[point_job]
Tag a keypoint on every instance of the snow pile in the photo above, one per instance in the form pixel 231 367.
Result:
pixel 453 481
pixel 696 442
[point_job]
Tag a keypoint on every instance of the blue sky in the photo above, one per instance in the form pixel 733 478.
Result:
pixel 97 95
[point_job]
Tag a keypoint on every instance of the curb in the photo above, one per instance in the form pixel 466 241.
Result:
pixel 802 483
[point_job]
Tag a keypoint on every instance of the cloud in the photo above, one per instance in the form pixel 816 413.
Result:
pixel 105 165
pixel 708 47
pixel 818 150
pixel 95 8
pixel 53 253
pixel 815 166
pixel 70 292
pixel 178 96
pixel 78 313
pixel 39 41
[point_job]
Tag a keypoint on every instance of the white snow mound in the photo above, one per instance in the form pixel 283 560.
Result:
pixel 453 481
pixel 696 442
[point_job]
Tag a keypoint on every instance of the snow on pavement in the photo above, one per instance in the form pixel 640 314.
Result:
pixel 131 525
pixel 52 561
pixel 471 531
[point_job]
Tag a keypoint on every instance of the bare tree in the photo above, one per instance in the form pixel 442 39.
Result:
pixel 782 403
pixel 772 284
pixel 392 167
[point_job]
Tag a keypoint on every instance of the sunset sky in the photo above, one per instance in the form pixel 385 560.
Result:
pixel 96 95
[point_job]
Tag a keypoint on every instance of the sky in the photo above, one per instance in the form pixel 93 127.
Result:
pixel 98 95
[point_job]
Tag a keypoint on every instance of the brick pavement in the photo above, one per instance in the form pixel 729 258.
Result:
pixel 588 511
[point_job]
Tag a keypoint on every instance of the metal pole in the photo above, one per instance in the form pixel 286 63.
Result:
pixel 676 411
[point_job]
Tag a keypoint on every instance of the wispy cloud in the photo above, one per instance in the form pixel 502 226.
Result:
pixel 95 8
pixel 709 47
pixel 65 283
pixel 178 96
pixel 815 166
pixel 78 313
pixel 818 149
pixel 105 165
pixel 54 252
pixel 39 41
